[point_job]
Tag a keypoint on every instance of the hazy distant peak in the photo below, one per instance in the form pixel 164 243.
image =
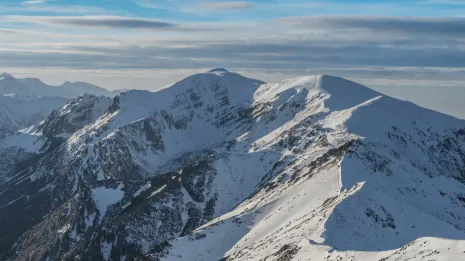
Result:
pixel 218 71
pixel 6 75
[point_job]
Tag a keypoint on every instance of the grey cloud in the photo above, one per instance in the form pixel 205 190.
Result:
pixel 330 51
pixel 291 55
pixel 414 25
pixel 108 22
pixel 9 31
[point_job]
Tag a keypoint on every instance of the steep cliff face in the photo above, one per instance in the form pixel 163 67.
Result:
pixel 219 166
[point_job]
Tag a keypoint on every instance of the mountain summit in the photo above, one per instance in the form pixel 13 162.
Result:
pixel 222 167
pixel 218 70
pixel 6 75
pixel 11 87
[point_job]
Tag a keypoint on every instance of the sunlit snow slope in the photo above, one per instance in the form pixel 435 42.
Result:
pixel 369 178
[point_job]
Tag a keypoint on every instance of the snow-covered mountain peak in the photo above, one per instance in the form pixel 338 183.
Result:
pixel 77 82
pixel 335 93
pixel 343 93
pixel 198 91
pixel 332 85
pixel 218 70
pixel 187 116
pixel 6 75
pixel 10 86
pixel 32 81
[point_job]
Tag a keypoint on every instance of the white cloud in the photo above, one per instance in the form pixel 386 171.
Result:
pixel 33 2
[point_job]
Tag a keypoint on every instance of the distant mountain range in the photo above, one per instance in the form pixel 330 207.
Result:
pixel 24 102
pixel 222 167
pixel 33 87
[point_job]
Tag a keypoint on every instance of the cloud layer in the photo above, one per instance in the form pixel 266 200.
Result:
pixel 411 26
pixel 105 22
pixel 293 43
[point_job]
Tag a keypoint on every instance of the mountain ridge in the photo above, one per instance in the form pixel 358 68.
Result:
pixel 31 87
pixel 25 102
pixel 222 167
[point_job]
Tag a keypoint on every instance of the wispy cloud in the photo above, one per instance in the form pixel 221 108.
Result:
pixel 33 2
pixel 9 31
pixel 108 22
pixel 201 5
pixel 224 5
pixel 152 4
pixel 299 43
pixel 58 9
pixel 430 25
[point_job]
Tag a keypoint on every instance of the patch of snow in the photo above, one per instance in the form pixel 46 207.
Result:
pixel 126 205
pixel 106 250
pixel 105 197
pixel 89 219
pixel 64 229
pixel 157 191
pixel 142 189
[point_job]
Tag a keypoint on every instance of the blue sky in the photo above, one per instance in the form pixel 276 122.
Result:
pixel 147 44
pixel 191 10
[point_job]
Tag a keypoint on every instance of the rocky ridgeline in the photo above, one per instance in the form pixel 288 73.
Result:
pixel 219 166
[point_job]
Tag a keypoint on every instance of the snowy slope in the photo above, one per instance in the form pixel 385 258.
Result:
pixel 18 113
pixel 222 167
pixel 390 195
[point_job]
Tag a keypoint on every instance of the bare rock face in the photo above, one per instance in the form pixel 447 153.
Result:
pixel 222 167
